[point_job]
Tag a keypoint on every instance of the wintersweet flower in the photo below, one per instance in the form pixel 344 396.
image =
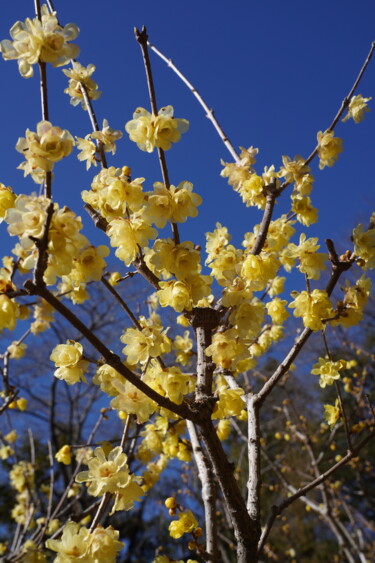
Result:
pixel 104 544
pixel 128 234
pixel 226 349
pixel 7 200
pixel 27 218
pixel 311 262
pixel 185 524
pixel 306 213
pixel 17 350
pixel 175 294
pixel 313 307
pixel 293 170
pixel 230 403
pixel 276 310
pixel 149 131
pixel 364 246
pixel 9 312
pixel 44 41
pixel 357 108
pixel 68 360
pixel 107 136
pixel 106 474
pixel 42 149
pixel 81 76
pixel 132 401
pixel 73 544
pixel 183 346
pixel 332 413
pixel 88 151
pixel 329 148
pixel 328 371
pixel 64 455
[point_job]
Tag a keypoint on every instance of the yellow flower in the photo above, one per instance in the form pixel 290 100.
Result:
pixel 104 545
pixel 7 200
pixel 45 41
pixel 185 524
pixel 73 545
pixel 132 401
pixel 332 413
pixel 105 474
pixel 68 359
pixel 357 108
pixel 364 246
pixel 88 151
pixel 149 131
pixel 81 75
pixel 175 294
pixel 312 307
pixel 328 371
pixel 305 211
pixel 17 350
pixel 107 136
pixel 311 261
pixel 276 310
pixel 230 403
pixel 64 455
pixel 42 149
pixel 329 148
pixel 9 312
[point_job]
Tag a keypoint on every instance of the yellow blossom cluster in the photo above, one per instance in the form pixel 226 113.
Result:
pixel 78 543
pixel 149 130
pixel 350 309
pixel 357 108
pixel 329 148
pixel 185 524
pixel 42 40
pixel 106 140
pixel 43 148
pixel 332 413
pixel 364 246
pixel 328 371
pixel 68 359
pixel 165 439
pixel 244 180
pixel 110 474
pixel 80 76
pixel 313 307
pixel 7 199
pixel 311 262
pixel 70 256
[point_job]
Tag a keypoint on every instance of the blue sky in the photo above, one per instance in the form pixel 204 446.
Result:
pixel 275 73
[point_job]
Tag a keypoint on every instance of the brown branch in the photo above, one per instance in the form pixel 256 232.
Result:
pixel 110 358
pixel 267 216
pixel 204 320
pixel 118 297
pixel 141 37
pixel 42 246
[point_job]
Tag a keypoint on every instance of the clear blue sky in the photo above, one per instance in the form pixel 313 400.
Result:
pixel 275 73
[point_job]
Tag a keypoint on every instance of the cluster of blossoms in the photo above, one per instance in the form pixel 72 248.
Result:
pixel 68 359
pixel 42 40
pixel 70 256
pixel 42 149
pixel 77 543
pixel 80 77
pixel 110 474
pixel 149 130
pixel 328 370
pixel 90 152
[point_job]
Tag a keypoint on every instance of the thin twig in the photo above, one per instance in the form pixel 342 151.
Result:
pixel 142 37
pixel 344 104
pixel 194 91
pixel 128 311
